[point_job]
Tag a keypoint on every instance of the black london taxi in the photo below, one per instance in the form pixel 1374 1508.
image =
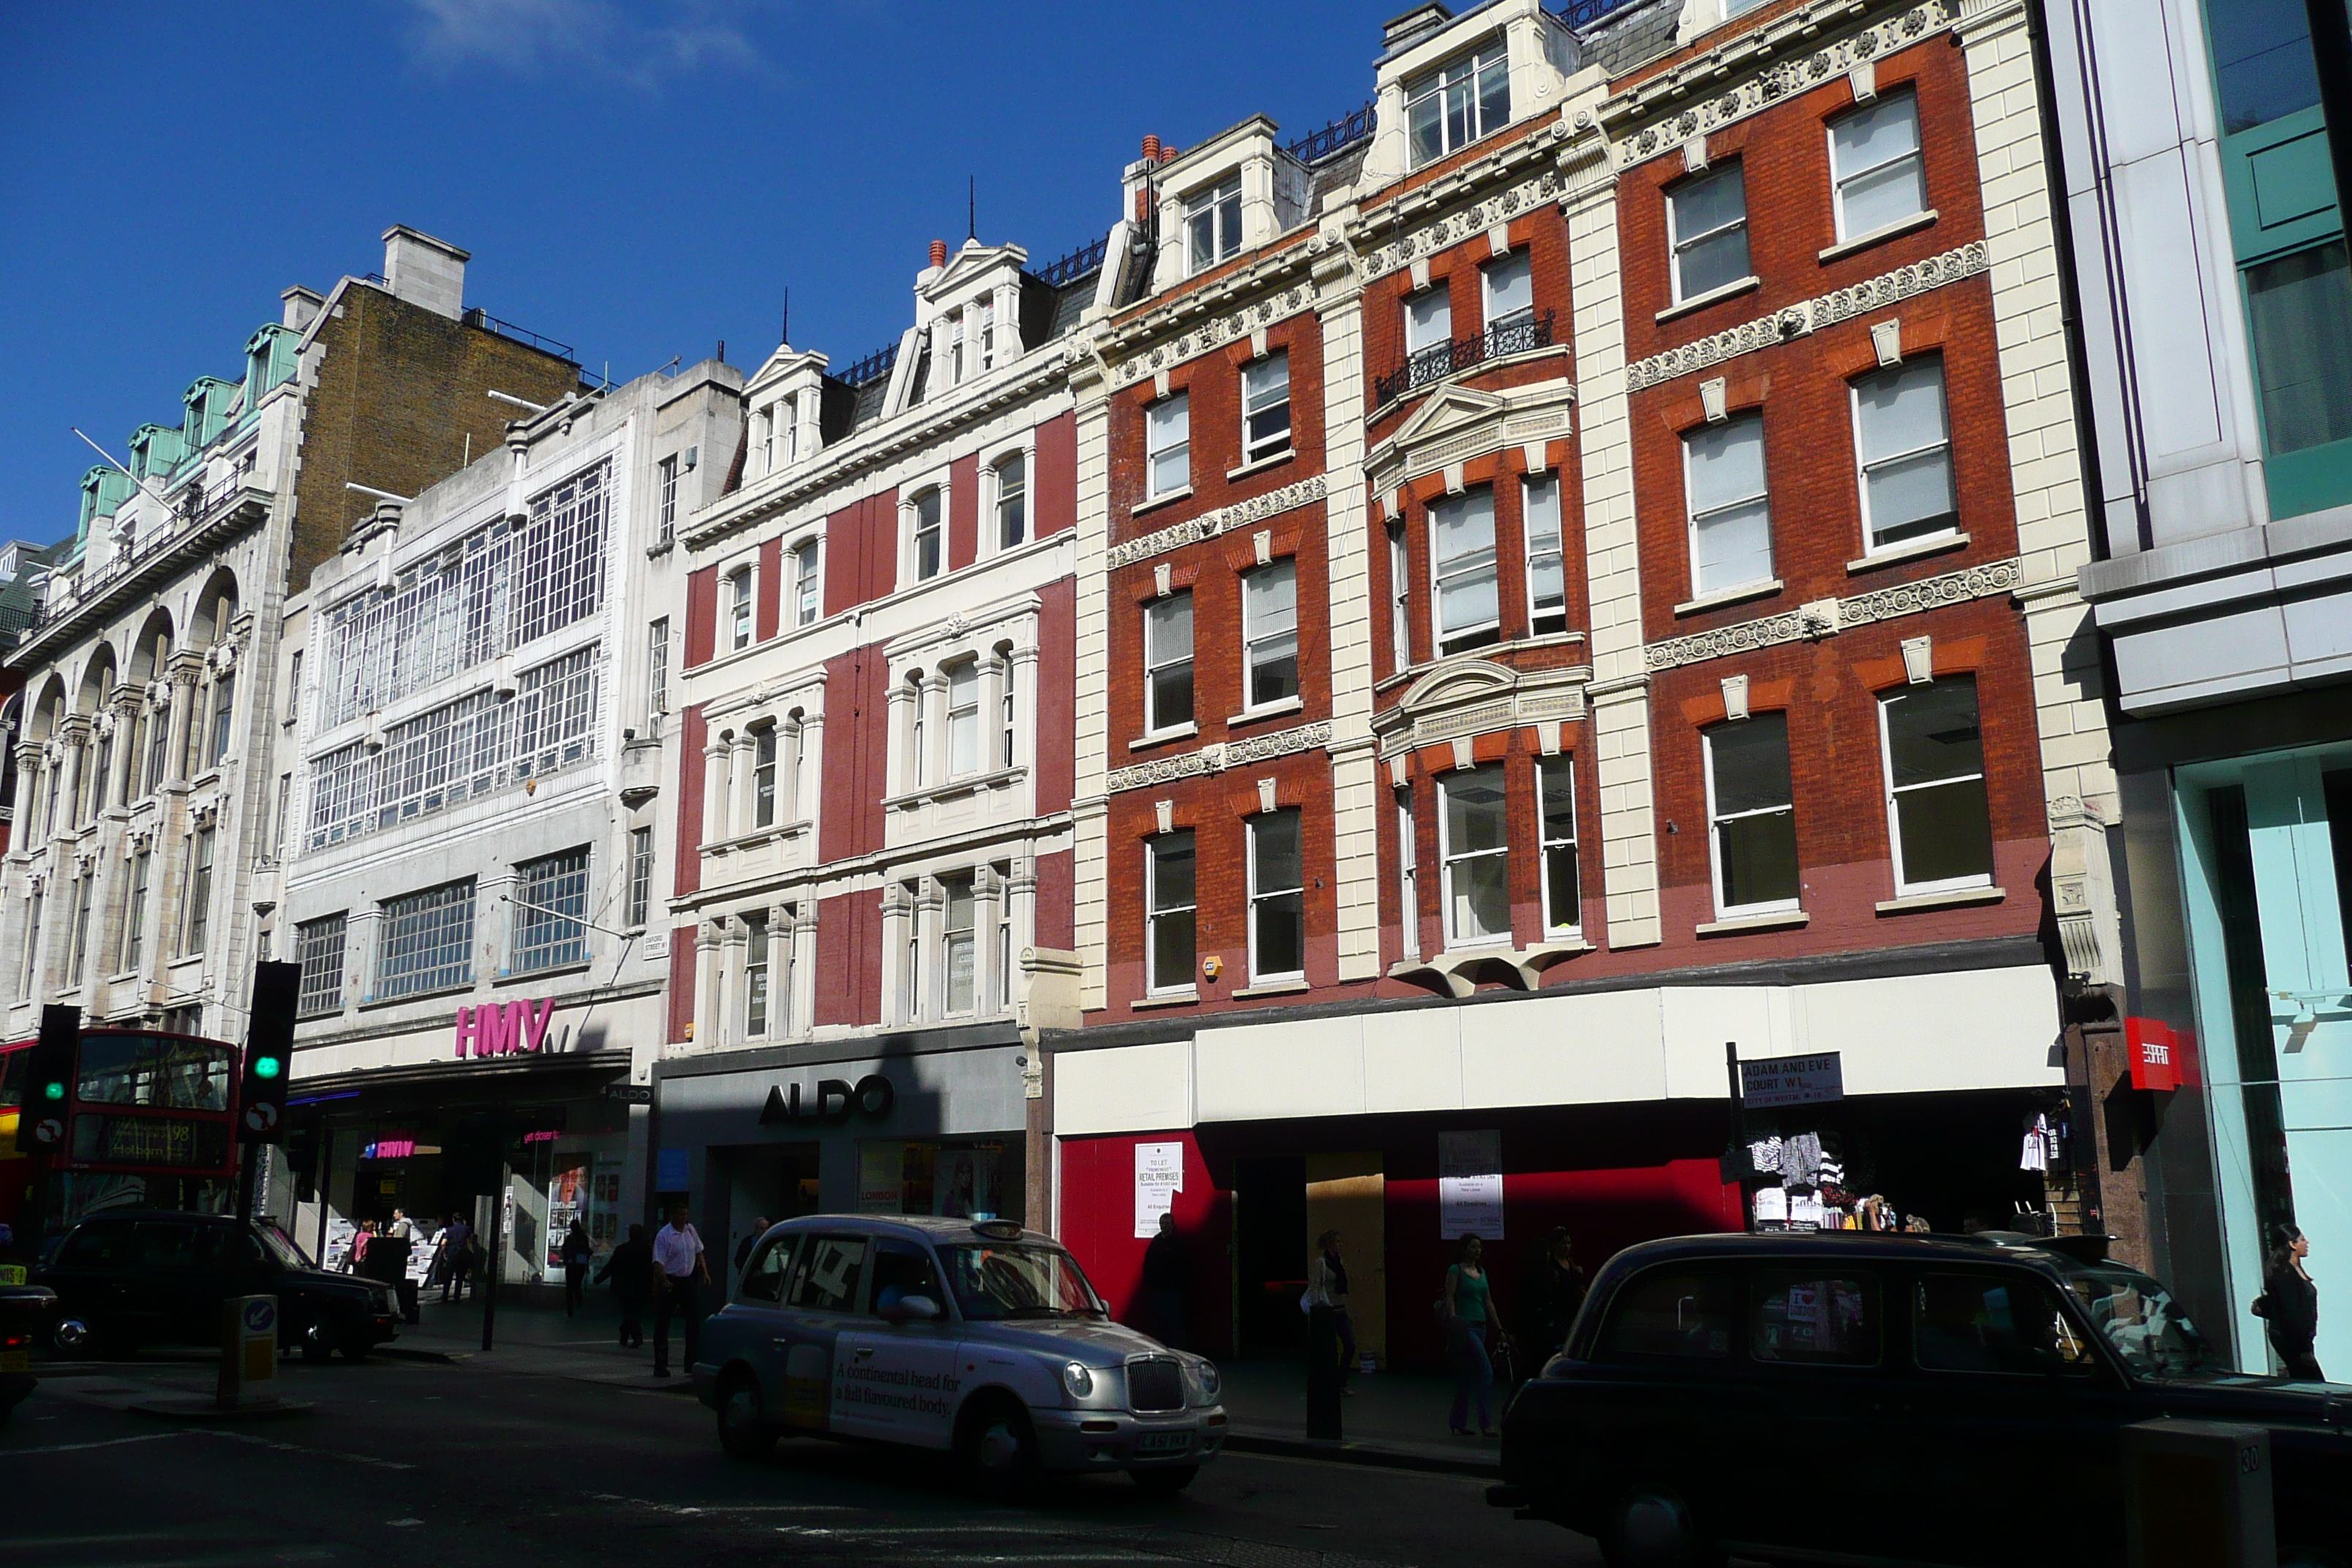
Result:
pixel 976 1338
pixel 1839 1397
pixel 24 1311
pixel 135 1277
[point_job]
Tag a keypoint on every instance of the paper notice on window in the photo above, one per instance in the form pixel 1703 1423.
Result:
pixel 1470 1186
pixel 1158 1177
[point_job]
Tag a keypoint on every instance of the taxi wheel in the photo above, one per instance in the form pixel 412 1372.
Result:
pixel 1655 1528
pixel 744 1430
pixel 999 1445
pixel 1164 1482
pixel 316 1344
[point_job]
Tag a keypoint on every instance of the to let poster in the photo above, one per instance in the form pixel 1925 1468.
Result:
pixel 1158 1177
pixel 1470 1184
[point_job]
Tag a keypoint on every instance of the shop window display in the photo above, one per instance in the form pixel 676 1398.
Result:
pixel 959 1181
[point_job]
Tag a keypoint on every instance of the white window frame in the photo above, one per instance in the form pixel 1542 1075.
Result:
pixel 1521 260
pixel 766 749
pixel 1400 596
pixel 1408 873
pixel 1531 486
pixel 1484 67
pixel 1156 660
pixel 910 964
pixel 919 528
pixel 1214 212
pixel 1428 331
pixel 743 609
pixel 1678 243
pixel 641 876
pixel 1716 817
pixel 1259 402
pixel 918 731
pixel 808 582
pixel 1694 521
pixel 657 670
pixel 1167 441
pixel 1260 896
pixel 1447 860
pixel 1562 770
pixel 1263 643
pixel 966 753
pixel 1008 701
pixel 1154 982
pixel 758 992
pixel 952 937
pixel 1904 887
pixel 1863 464
pixel 1840 178
pixel 1440 579
pixel 668 505
pixel 1016 496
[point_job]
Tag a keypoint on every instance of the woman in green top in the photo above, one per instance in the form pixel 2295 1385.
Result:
pixel 1468 1313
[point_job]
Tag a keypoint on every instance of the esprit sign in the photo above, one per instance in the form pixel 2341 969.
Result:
pixel 834 1100
pixel 503 1029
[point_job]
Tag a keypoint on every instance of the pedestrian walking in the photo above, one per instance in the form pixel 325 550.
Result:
pixel 2290 1305
pixel 750 1239
pixel 1329 1329
pixel 681 1269
pixel 457 1250
pixel 1467 1308
pixel 1167 1281
pixel 388 1256
pixel 1550 1296
pixel 577 1252
pixel 630 1268
pixel 355 1258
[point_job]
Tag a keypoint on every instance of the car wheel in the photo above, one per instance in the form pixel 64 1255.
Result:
pixel 316 1344
pixel 1165 1482
pixel 743 1428
pixel 353 1349
pixel 998 1446
pixel 1655 1528
pixel 73 1338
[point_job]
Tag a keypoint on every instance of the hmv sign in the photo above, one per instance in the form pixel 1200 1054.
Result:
pixel 504 1029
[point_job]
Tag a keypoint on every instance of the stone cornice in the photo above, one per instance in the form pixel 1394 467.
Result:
pixel 1218 758
pixel 1827 617
pixel 1260 293
pixel 1209 524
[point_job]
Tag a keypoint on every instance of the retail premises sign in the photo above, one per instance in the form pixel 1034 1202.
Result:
pixel 503 1029
pixel 1791 1080
pixel 834 1100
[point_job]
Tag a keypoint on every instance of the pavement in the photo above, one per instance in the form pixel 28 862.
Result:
pixel 1394 1420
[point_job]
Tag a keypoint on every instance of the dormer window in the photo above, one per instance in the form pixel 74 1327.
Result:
pixel 1213 224
pixel 955 350
pixel 1468 98
pixel 788 414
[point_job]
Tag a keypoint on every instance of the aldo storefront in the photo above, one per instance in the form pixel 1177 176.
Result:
pixel 898 1124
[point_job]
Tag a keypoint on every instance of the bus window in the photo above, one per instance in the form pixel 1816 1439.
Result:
pixel 167 1071
pixel 12 1078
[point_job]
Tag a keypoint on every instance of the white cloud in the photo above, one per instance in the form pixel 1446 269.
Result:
pixel 643 43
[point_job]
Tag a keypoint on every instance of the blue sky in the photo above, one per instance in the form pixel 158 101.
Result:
pixel 638 178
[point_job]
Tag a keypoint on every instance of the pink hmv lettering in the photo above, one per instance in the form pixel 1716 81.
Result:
pixel 501 1030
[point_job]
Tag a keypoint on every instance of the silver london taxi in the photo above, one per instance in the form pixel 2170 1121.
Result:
pixel 975 1337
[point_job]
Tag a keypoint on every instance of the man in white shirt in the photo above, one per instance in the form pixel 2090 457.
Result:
pixel 680 1271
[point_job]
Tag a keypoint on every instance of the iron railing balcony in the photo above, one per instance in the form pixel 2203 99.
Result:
pixel 1523 334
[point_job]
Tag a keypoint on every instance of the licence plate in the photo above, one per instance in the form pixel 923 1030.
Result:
pixel 1164 1443
pixel 15 1360
pixel 11 1274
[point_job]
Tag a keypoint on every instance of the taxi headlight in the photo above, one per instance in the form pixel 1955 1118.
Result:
pixel 1200 1382
pixel 1210 1383
pixel 1077 1380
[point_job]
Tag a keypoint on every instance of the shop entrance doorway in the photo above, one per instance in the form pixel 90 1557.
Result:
pixel 1270 1242
pixel 761 1181
pixel 1348 1194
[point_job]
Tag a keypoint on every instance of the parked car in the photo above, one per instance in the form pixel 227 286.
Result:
pixel 1847 1397
pixel 134 1278
pixel 24 1312
pixel 978 1338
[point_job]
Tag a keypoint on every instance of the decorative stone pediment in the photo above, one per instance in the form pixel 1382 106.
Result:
pixel 1455 424
pixel 1467 696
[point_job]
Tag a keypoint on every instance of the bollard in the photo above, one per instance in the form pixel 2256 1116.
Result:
pixel 249 1363
pixel 2198 1495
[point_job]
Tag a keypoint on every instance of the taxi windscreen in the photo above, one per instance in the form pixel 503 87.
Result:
pixel 1013 1280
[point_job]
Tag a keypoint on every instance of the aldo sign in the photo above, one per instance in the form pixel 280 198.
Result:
pixel 833 1100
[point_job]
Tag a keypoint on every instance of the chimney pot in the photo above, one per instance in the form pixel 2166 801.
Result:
pixel 1151 149
pixel 1168 154
pixel 939 253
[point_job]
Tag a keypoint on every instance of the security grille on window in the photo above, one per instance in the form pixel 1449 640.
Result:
pixel 1278 897
pixel 804 585
pixel 1546 574
pixel 763 776
pixel 1752 816
pixel 1170 897
pixel 1168 445
pixel 1511 289
pixel 930 538
pixel 668 527
pixel 1475 850
pixel 1468 98
pixel 656 673
pixel 755 974
pixel 963 719
pixel 1707 219
pixel 1012 502
pixel 200 894
pixel 739 609
pixel 1730 509
pixel 135 912
pixel 319 948
pixel 1265 407
pixel 641 875
pixel 1462 549
pixel 1408 873
pixel 553 896
pixel 1556 792
pixel 1270 632
pixel 428 942
pixel 1904 446
pixel 959 935
pixel 1168 661
pixel 1874 165
pixel 1212 224
pixel 1941 823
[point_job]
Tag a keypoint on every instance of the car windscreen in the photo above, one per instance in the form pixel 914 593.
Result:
pixel 997 1280
pixel 284 1248
pixel 2142 1320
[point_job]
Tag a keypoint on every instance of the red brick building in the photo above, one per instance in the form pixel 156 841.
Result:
pixel 1579 563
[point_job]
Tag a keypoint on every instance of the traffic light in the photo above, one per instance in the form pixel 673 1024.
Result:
pixel 268 1053
pixel 48 1082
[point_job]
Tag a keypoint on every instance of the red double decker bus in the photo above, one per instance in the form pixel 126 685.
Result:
pixel 150 1121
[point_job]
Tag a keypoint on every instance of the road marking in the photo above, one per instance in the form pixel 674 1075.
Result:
pixel 107 1443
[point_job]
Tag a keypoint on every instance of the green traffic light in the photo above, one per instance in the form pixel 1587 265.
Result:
pixel 53 1090
pixel 265 1066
